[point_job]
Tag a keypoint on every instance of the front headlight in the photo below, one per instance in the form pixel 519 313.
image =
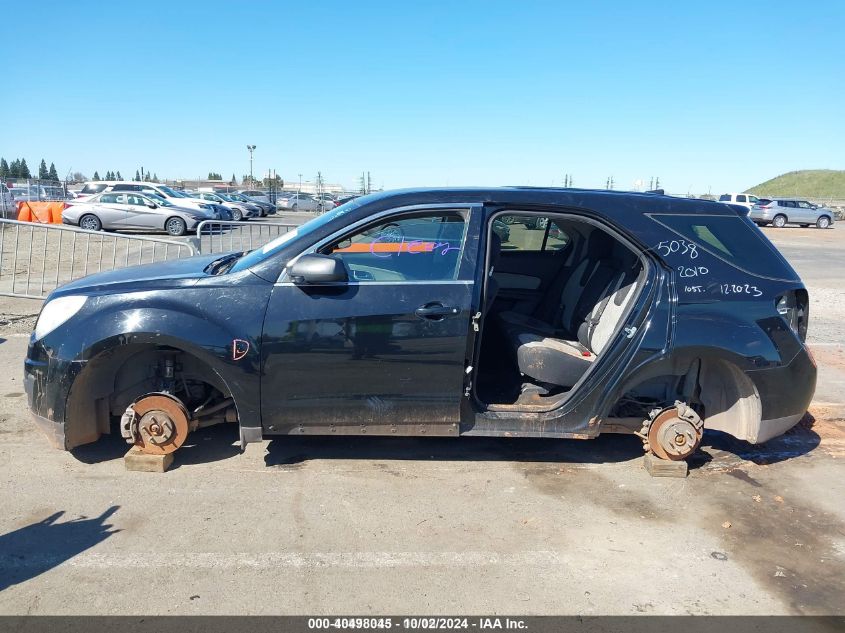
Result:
pixel 56 312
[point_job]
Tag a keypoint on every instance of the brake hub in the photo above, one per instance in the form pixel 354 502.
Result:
pixel 674 433
pixel 156 423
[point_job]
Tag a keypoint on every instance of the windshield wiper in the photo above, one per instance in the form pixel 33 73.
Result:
pixel 222 264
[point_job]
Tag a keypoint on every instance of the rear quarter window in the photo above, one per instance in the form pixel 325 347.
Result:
pixel 732 239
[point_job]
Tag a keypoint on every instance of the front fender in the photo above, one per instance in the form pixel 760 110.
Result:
pixel 207 323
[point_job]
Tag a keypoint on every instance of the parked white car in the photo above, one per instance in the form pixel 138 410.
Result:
pixel 742 199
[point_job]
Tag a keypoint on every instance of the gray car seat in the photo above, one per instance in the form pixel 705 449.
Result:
pixel 562 362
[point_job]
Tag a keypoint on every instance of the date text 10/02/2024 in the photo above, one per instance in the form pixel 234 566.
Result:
pixel 417 623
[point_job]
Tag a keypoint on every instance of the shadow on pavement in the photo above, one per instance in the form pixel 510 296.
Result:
pixel 39 547
pixel 291 450
pixel 799 440
pixel 221 442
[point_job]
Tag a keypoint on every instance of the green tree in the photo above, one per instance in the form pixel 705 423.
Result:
pixel 4 169
pixel 42 170
pixel 137 176
pixel 24 169
pixel 155 178
pixel 52 174
pixel 96 176
pixel 118 176
pixel 234 180
pixel 15 168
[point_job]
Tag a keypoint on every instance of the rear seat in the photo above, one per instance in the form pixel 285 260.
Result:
pixel 562 362
pixel 592 272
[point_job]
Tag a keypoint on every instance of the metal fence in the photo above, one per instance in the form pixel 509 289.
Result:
pixel 36 258
pixel 216 236
pixel 15 190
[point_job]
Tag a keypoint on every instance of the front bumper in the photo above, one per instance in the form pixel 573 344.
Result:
pixel 47 381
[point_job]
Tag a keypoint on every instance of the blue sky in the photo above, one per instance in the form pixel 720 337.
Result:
pixel 714 95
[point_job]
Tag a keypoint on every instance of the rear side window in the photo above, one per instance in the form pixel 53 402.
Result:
pixel 529 233
pixel 741 198
pixel 733 239
pixel 725 197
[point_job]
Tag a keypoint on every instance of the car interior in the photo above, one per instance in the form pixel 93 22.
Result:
pixel 557 292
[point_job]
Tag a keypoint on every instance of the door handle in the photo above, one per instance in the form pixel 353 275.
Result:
pixel 435 311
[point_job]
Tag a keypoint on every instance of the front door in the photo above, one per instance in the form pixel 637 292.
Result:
pixel 386 352
pixel 139 215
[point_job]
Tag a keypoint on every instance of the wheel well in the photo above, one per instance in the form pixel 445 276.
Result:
pixel 113 379
pixel 717 389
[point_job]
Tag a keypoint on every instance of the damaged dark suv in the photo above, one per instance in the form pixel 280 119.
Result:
pixel 406 313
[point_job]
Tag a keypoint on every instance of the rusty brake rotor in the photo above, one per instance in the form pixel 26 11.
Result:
pixel 675 433
pixel 162 424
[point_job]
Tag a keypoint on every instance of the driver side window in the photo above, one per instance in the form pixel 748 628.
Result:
pixel 419 247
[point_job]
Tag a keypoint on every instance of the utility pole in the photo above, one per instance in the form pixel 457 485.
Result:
pixel 298 191
pixel 369 183
pixel 657 182
pixel 251 149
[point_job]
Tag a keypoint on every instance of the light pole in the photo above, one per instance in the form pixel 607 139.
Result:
pixel 300 184
pixel 251 149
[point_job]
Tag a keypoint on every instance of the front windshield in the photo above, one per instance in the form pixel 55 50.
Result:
pixel 172 192
pixel 225 197
pixel 271 248
pixel 159 200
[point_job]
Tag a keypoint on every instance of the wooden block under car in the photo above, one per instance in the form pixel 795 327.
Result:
pixel 142 462
pixel 657 467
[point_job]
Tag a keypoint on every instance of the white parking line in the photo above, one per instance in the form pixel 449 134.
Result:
pixel 268 560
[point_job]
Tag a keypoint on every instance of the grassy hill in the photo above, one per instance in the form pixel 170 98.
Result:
pixel 806 183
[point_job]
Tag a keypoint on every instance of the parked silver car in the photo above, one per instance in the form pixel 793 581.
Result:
pixel 305 202
pixel 256 194
pixel 781 212
pixel 119 211
pixel 240 210
pixel 264 207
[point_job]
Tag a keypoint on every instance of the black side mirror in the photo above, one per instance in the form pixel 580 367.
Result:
pixel 318 269
pixel 152 205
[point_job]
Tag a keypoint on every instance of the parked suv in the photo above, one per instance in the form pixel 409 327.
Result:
pixel 402 314
pixel 743 199
pixel 781 212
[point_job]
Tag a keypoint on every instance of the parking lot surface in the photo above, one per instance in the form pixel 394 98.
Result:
pixel 406 525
